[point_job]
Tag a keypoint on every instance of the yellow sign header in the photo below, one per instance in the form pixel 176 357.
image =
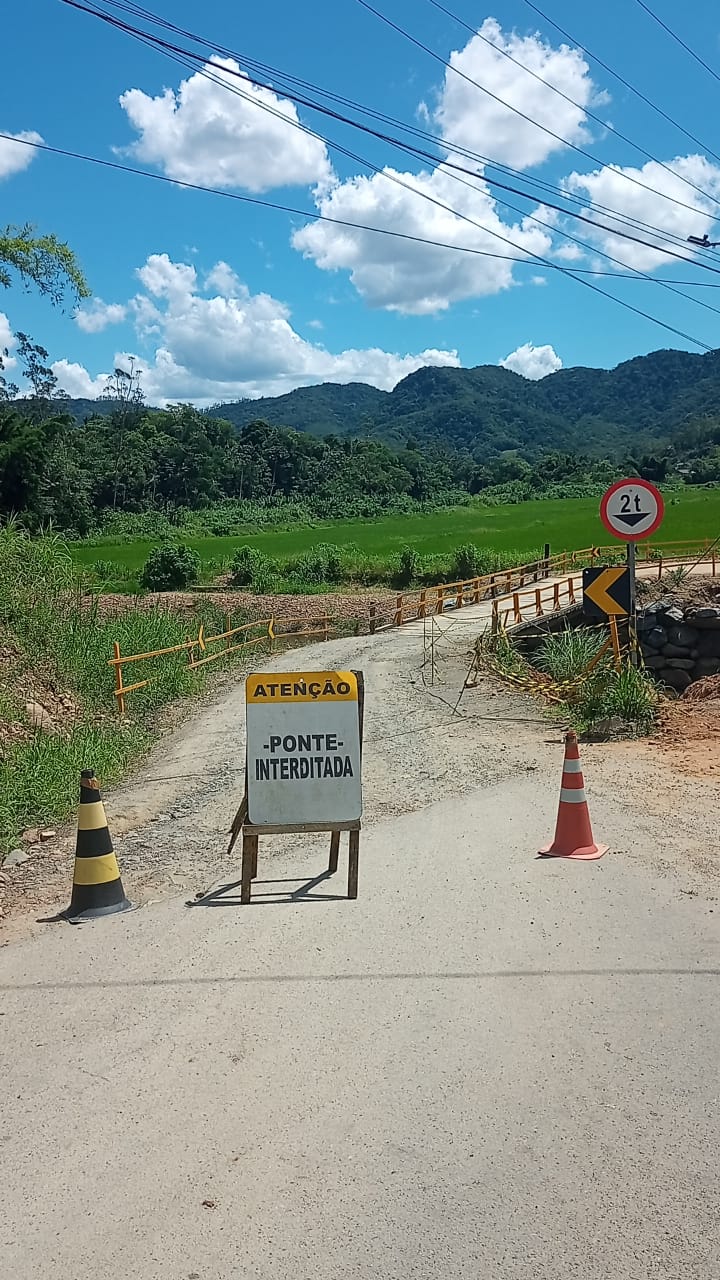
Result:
pixel 301 686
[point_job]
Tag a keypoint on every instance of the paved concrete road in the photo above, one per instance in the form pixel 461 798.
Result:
pixel 488 1066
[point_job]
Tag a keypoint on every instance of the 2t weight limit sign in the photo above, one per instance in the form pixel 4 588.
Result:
pixel 632 510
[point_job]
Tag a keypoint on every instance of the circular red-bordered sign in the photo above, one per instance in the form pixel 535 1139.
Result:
pixel 632 510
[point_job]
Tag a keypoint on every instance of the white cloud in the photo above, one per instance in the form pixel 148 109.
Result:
pixel 76 380
pixel 233 344
pixel 418 279
pixel 532 362
pixel 609 186
pixel 99 315
pixel 14 157
pixel 402 275
pixel 7 342
pixel 223 278
pixel 471 119
pixel 206 133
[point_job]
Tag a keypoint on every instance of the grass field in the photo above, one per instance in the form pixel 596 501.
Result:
pixel 566 524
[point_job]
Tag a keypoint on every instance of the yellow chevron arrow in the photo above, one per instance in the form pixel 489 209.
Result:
pixel 598 591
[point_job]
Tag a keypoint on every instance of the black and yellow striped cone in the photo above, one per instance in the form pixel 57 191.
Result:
pixel 97 888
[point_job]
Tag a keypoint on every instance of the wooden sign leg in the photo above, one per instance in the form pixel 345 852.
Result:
pixel 334 852
pixel 249 863
pixel 354 870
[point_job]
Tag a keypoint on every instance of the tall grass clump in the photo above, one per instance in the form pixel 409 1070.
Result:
pixel 40 778
pixel 565 655
pixel 629 695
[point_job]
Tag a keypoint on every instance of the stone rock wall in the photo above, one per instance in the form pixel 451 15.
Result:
pixel 680 645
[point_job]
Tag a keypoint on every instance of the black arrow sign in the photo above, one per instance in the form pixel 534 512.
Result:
pixel 634 518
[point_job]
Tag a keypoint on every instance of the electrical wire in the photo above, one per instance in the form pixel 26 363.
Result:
pixel 674 36
pixel 206 72
pixel 621 80
pixel 516 110
pixel 342 222
pixel 591 115
pixel 447 145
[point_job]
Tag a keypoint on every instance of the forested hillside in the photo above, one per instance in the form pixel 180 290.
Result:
pixel 442 435
pixel 489 410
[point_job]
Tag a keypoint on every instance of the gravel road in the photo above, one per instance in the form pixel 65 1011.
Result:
pixel 488 1065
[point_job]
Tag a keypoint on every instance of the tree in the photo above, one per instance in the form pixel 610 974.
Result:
pixel 38 373
pixel 123 388
pixel 44 261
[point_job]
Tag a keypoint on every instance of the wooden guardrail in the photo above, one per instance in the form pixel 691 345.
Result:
pixel 410 606
pixel 513 603
pixel 523 605
pixel 270 631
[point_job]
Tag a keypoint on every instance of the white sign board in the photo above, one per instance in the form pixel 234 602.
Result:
pixel 303 748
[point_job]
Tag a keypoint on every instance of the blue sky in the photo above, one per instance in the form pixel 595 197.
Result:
pixel 217 299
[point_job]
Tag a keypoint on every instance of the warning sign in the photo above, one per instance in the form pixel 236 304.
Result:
pixel 303 748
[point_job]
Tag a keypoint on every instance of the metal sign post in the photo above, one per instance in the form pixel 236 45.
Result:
pixel 634 657
pixel 632 510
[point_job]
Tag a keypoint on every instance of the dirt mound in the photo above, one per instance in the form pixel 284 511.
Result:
pixel 31 698
pixel 685 592
pixel 342 607
pixel 705 690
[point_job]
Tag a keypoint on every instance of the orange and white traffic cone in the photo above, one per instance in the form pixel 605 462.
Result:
pixel 573 833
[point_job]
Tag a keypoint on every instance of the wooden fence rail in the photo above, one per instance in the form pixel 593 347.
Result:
pixel 270 631
pixel 513 602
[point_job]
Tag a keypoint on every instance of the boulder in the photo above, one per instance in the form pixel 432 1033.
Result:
pixel 675 651
pixel 15 858
pixel 656 638
pixel 707 667
pixel 39 718
pixel 646 621
pixel 706 618
pixel 655 662
pixel 708 644
pixel 676 679
pixel 681 664
pixel 675 614
pixel 684 636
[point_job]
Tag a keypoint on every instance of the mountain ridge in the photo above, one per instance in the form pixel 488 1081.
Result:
pixel 487 410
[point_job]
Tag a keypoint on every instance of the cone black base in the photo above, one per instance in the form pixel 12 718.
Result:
pixel 88 906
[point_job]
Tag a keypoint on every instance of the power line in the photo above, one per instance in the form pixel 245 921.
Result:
pixel 585 110
pixel 152 41
pixel 181 56
pixel 146 38
pixel 280 81
pixel 206 71
pixel 357 226
pixel 265 204
pixel 678 39
pixel 621 80
pixel 516 110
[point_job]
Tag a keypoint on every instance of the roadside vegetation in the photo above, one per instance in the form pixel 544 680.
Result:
pixel 56 688
pixel 567 671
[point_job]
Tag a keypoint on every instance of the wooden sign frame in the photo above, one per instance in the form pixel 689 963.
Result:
pixel 251 833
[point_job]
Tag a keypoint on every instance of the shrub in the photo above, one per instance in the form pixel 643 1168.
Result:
pixel 170 568
pixel 251 568
pixel 629 695
pixel 408 568
pixel 323 563
pixel 468 562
